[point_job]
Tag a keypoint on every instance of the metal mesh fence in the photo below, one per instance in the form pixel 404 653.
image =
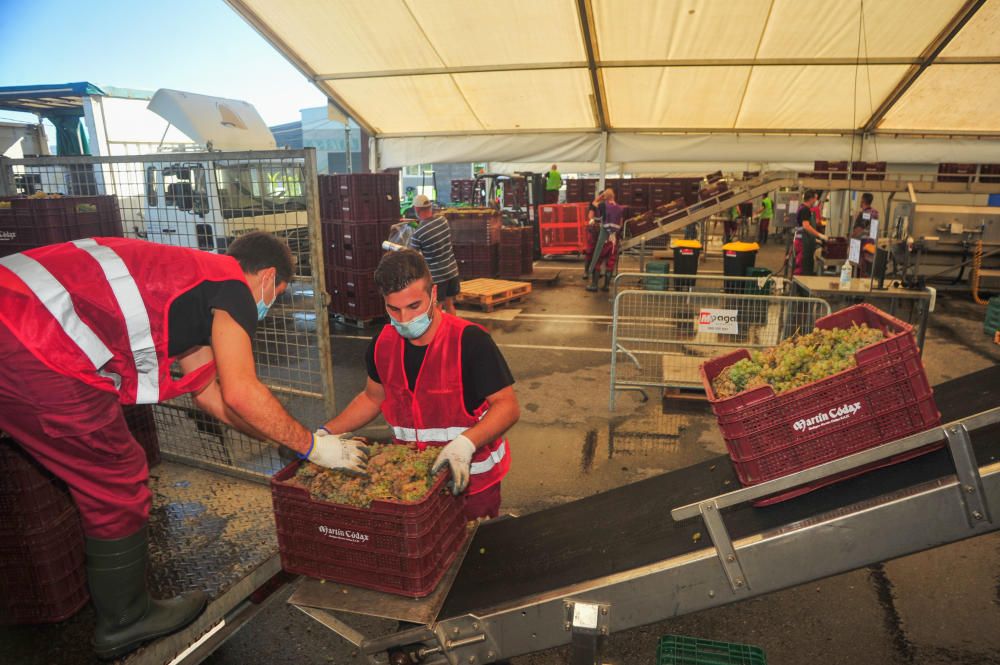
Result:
pixel 204 201
pixel 660 338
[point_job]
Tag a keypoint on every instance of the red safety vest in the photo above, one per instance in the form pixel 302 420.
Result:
pixel 433 413
pixel 96 310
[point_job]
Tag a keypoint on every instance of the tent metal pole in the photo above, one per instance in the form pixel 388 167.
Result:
pixel 927 58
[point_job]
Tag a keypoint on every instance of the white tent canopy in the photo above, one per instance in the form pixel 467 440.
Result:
pixel 657 80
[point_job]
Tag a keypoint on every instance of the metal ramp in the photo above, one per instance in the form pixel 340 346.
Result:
pixel 742 191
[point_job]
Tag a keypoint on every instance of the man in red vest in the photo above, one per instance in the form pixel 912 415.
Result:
pixel 91 324
pixel 438 381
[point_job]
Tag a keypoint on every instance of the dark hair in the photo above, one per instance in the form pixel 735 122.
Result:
pixel 397 270
pixel 867 198
pixel 810 193
pixel 258 250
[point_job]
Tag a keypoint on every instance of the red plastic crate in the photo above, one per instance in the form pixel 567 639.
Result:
pixel 29 494
pixel 884 398
pixel 355 245
pixel 835 248
pixel 397 547
pixel 961 172
pixel 42 573
pixel 367 196
pixel 414 586
pixel 31 223
pixel 476 260
pixel 354 294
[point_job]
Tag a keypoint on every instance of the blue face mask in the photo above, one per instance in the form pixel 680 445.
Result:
pixel 262 307
pixel 416 326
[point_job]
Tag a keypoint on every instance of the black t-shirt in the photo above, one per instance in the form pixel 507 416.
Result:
pixel 189 321
pixel 805 215
pixel 484 369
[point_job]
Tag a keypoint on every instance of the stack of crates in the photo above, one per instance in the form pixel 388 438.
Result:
pixel 357 211
pixel 512 248
pixel 475 238
pixel 528 250
pixel 42 555
pixel 27 223
pixel 950 172
pixel 462 190
pixel 656 283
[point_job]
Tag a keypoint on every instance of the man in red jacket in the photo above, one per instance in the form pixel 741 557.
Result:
pixel 91 324
pixel 439 381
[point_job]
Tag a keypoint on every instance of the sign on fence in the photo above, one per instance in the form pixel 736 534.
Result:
pixel 719 321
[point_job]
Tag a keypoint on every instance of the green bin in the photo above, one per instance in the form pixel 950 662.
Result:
pixel 992 322
pixel 656 283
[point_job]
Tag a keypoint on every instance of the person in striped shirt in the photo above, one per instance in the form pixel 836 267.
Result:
pixel 433 239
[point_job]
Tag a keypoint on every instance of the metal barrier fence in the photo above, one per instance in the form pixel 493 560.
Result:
pixel 660 338
pixel 706 282
pixel 204 201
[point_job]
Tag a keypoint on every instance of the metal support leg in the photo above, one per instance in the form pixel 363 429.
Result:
pixel 724 546
pixel 590 625
pixel 970 483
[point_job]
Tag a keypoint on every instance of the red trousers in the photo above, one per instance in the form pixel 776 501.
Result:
pixel 79 434
pixel 483 504
pixel 608 257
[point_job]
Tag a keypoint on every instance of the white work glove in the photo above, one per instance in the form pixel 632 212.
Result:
pixel 823 237
pixel 457 455
pixel 333 452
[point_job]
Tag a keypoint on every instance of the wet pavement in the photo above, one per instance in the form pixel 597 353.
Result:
pixel 931 608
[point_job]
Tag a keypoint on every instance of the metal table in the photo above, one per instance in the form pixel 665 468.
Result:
pixel 860 290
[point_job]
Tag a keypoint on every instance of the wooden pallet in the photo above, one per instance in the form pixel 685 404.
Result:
pixel 489 293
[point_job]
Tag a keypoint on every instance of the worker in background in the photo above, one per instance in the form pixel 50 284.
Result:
pixel 91 324
pixel 433 240
pixel 611 216
pixel 863 220
pixel 731 225
pixel 439 381
pixel 861 230
pixel 746 215
pixel 553 183
pixel 593 231
pixel 806 237
pixel 764 216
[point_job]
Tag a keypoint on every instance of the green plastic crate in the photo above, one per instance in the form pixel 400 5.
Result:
pixel 680 650
pixel 656 283
pixel 992 323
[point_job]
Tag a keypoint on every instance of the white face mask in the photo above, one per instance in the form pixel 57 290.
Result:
pixel 415 327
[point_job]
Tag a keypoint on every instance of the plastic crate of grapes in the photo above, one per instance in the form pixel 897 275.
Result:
pixel 885 397
pixel 392 546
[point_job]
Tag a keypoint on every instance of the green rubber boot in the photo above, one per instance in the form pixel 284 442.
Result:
pixel 593 281
pixel 607 282
pixel 126 614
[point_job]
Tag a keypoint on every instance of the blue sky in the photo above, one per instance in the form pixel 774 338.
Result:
pixel 199 46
